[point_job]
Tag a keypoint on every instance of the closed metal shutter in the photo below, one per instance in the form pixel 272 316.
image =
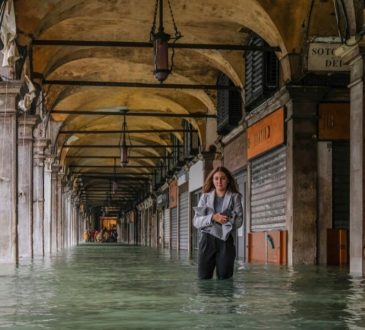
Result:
pixel 195 233
pixel 174 228
pixel 166 228
pixel 341 185
pixel 131 233
pixel 268 191
pixel 184 221
pixel 241 179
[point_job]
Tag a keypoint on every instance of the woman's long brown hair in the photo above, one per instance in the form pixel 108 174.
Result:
pixel 209 186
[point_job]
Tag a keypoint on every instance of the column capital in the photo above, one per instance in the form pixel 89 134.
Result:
pixel 39 147
pixel 8 92
pixel 25 127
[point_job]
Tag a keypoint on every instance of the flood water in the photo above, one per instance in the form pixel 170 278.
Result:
pixel 125 287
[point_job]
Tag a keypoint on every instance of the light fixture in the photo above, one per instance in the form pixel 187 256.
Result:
pixel 123 142
pixel 160 41
pixel 114 183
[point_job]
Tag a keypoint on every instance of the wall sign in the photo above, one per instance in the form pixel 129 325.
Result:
pixel 265 134
pixel 173 194
pixel 321 57
pixel 334 121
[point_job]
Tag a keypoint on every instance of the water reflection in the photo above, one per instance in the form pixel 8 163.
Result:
pixel 121 287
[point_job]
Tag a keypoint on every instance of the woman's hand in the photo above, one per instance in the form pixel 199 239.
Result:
pixel 220 218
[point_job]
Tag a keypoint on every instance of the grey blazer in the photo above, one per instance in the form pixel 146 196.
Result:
pixel 232 205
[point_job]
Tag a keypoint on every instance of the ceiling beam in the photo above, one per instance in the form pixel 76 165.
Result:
pixel 91 83
pixel 113 166
pixel 117 177
pixel 137 44
pixel 133 114
pixel 128 131
pixel 101 146
pixel 117 157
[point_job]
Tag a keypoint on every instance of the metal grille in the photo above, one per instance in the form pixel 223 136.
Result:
pixel 131 233
pixel 341 185
pixel 184 221
pixel 268 191
pixel 241 179
pixel 174 228
pixel 195 234
pixel 166 228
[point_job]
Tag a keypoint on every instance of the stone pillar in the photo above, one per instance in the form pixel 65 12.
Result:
pixel 355 56
pixel 54 207
pixel 38 195
pixel 25 185
pixel 59 206
pixel 302 217
pixel 8 172
pixel 67 216
pixel 48 216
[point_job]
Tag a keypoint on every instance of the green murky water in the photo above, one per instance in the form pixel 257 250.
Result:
pixel 122 287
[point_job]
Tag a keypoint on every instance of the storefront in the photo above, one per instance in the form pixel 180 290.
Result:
pixel 334 182
pixel 183 210
pixel 267 156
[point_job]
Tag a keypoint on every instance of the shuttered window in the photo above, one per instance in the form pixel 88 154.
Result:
pixel 261 74
pixel 229 106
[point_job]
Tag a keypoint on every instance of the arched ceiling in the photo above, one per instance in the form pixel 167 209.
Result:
pixel 281 23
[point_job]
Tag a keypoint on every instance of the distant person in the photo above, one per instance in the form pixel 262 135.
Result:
pixel 218 213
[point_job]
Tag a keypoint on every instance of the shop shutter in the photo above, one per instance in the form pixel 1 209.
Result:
pixel 166 228
pixel 174 228
pixel 341 185
pixel 131 233
pixel 184 221
pixel 268 191
pixel 241 179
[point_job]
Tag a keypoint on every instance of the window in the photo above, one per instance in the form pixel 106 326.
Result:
pixel 262 74
pixel 229 105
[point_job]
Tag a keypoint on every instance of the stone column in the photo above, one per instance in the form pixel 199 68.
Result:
pixel 8 172
pixel 302 217
pixel 38 194
pixel 25 185
pixel 54 207
pixel 59 206
pixel 355 56
pixel 48 216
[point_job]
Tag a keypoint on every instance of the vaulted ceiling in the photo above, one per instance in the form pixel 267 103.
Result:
pixel 286 24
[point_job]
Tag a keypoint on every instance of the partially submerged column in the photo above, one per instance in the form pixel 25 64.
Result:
pixel 8 172
pixel 39 146
pixel 25 184
pixel 47 226
pixel 54 207
pixel 302 173
pixel 355 57
pixel 60 210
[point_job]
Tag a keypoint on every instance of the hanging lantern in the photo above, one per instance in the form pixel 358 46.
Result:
pixel 160 41
pixel 123 144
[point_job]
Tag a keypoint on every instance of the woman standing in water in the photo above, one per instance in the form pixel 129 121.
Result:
pixel 219 212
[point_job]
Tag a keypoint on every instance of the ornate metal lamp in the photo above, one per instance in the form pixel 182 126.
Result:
pixel 123 142
pixel 160 41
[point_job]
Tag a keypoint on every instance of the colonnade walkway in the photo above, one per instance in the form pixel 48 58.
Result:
pixel 96 286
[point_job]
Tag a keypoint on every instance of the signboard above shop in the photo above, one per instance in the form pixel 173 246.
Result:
pixel 266 134
pixel 321 57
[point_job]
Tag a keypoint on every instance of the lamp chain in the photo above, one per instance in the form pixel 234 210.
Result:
pixel 177 32
pixel 153 29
